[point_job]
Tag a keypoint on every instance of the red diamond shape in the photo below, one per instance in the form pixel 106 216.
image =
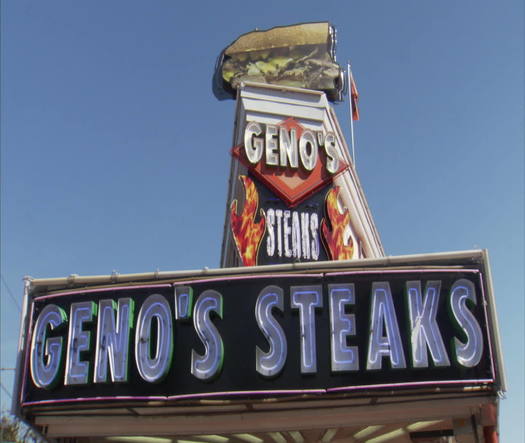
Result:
pixel 291 185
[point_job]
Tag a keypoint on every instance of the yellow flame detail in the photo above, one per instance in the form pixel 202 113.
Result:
pixel 334 238
pixel 246 232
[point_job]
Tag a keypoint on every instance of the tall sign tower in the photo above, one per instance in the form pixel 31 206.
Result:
pixel 294 195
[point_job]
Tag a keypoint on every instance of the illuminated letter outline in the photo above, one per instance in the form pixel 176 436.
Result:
pixel 77 371
pixel 343 357
pixel 183 302
pixel 271 148
pixel 467 354
pixel 383 314
pixel 46 375
pixel 271 363
pixel 425 332
pixel 332 159
pixel 253 146
pixel 207 366
pixel 113 340
pixel 153 370
pixel 306 299
pixel 308 160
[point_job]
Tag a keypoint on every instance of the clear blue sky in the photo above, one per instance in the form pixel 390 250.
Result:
pixel 115 153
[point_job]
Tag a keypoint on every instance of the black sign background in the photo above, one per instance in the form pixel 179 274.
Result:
pixel 314 204
pixel 241 335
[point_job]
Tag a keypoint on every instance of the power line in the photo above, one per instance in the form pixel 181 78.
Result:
pixel 6 391
pixel 17 303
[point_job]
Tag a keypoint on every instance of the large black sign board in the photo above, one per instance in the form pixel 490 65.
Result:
pixel 451 305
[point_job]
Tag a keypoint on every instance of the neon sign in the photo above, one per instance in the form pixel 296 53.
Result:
pixel 256 334
pixel 292 160
pixel 266 231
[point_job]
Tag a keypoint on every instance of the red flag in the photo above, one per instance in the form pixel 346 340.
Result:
pixel 354 98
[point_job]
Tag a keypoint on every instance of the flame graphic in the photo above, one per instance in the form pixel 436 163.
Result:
pixel 246 232
pixel 335 239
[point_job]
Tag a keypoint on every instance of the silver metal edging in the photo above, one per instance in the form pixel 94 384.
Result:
pixel 20 363
pixel 493 319
pixel 401 260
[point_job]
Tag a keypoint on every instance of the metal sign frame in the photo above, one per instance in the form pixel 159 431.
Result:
pixel 296 379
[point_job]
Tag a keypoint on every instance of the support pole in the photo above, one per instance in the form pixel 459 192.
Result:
pixel 351 107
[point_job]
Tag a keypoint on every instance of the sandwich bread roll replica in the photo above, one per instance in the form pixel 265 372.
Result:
pixel 298 55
